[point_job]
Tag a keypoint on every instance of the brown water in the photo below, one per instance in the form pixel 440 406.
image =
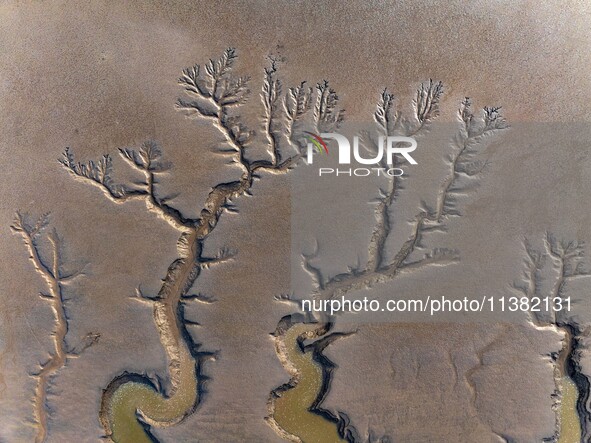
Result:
pixel 570 427
pixel 131 399
pixel 156 410
pixel 291 412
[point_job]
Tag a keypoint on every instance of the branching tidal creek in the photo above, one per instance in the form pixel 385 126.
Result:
pixel 133 403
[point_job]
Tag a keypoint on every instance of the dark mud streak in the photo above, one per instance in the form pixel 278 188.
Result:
pixel 345 429
pixel 581 381
pixel 568 258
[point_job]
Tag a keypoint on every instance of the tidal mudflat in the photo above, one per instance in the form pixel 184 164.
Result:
pixel 138 309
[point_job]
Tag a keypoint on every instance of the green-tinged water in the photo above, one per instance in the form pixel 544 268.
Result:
pixel 292 410
pixel 122 413
pixel 157 410
pixel 132 399
pixel 570 426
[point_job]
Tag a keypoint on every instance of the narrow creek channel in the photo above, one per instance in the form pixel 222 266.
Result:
pixel 569 422
pixel 132 396
pixel 293 413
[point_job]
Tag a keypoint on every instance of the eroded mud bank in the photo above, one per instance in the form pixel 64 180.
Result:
pixel 294 408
